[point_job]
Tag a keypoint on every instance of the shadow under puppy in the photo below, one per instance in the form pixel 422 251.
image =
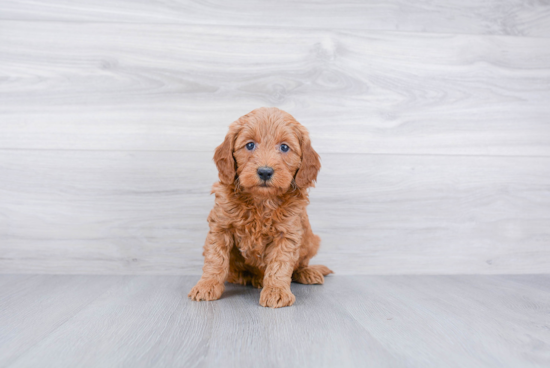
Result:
pixel 259 228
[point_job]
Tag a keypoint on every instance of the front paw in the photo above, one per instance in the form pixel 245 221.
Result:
pixel 206 290
pixel 276 297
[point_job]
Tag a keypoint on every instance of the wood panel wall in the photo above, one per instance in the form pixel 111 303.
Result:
pixel 432 120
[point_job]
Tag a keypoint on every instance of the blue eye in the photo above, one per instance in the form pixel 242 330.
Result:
pixel 284 148
pixel 250 146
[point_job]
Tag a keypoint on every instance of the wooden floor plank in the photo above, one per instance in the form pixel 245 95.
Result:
pixel 484 319
pixel 351 321
pixel 145 212
pixel 511 17
pixel 168 87
pixel 33 307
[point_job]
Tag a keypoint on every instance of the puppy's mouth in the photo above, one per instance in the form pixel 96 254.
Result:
pixel 264 184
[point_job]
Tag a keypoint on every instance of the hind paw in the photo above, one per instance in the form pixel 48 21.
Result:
pixel 310 275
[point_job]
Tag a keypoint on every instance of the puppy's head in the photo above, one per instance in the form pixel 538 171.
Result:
pixel 268 152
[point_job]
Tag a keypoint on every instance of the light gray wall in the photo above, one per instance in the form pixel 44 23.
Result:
pixel 432 121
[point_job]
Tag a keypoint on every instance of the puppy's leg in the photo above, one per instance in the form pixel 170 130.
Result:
pixel 311 274
pixel 281 257
pixel 216 267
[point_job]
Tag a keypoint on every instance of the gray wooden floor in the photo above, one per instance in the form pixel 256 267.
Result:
pixel 351 321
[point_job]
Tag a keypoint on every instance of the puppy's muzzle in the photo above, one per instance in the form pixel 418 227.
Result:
pixel 265 173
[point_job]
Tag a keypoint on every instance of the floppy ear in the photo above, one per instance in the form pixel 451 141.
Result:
pixel 310 166
pixel 223 157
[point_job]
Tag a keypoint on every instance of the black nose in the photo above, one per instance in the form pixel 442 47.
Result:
pixel 265 173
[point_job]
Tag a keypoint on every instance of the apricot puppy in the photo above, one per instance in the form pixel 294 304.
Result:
pixel 259 228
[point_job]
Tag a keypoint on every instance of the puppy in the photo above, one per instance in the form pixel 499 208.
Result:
pixel 259 228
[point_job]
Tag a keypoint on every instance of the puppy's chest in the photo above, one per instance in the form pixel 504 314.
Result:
pixel 253 235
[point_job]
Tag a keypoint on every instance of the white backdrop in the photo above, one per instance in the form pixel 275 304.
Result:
pixel 433 128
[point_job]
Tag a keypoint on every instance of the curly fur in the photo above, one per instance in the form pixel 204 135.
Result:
pixel 260 233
